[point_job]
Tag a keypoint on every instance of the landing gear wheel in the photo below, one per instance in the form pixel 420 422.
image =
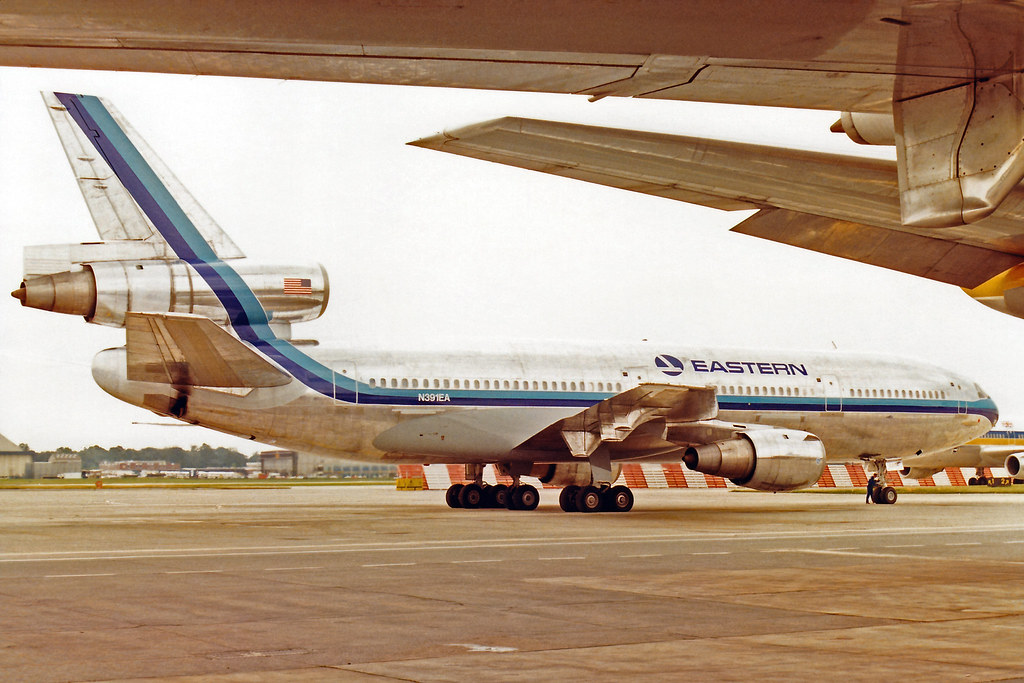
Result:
pixel 887 496
pixel 588 499
pixel 973 481
pixel 497 496
pixel 471 496
pixel 451 496
pixel 617 499
pixel 876 495
pixel 523 497
pixel 567 498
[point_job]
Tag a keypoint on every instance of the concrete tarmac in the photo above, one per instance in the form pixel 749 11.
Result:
pixel 369 583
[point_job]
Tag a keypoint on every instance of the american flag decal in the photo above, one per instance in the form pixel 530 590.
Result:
pixel 298 285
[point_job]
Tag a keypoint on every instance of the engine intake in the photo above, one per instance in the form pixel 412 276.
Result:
pixel 105 291
pixel 764 459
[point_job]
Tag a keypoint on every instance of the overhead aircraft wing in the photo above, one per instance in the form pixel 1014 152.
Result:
pixel 192 350
pixel 117 216
pixel 840 205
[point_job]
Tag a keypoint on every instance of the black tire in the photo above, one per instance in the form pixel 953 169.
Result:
pixel 471 497
pixel 588 499
pixel 567 498
pixel 451 496
pixel 497 496
pixel 973 481
pixel 618 499
pixel 524 497
pixel 876 495
pixel 887 496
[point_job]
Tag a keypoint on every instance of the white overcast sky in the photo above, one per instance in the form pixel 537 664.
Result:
pixel 430 249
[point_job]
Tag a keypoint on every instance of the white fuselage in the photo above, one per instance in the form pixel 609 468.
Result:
pixel 477 406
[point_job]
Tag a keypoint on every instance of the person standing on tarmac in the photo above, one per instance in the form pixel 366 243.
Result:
pixel 872 484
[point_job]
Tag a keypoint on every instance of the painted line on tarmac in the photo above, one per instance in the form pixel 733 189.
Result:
pixel 904 556
pixel 908 545
pixel 475 561
pixel 714 552
pixel 288 569
pixel 195 571
pixel 641 555
pixel 75 576
pixel 392 564
pixel 566 557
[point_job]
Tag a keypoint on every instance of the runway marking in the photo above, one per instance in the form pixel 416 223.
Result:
pixel 627 557
pixel 392 564
pixel 904 556
pixel 1013 541
pixel 76 576
pixel 717 552
pixel 959 544
pixel 287 569
pixel 481 544
pixel 571 557
pixel 196 571
pixel 474 561
pixel 908 545
pixel 473 647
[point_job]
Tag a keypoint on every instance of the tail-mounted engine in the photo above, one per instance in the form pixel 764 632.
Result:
pixel 104 291
pixel 765 459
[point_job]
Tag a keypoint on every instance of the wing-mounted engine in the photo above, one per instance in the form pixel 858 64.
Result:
pixel 105 290
pixel 764 459
pixel 570 474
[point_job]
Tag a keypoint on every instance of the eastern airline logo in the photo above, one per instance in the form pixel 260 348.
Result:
pixel 670 365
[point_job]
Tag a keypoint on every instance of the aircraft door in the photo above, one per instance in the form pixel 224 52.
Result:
pixel 833 394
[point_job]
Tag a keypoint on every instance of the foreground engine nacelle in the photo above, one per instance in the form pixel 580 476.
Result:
pixel 764 459
pixel 1015 465
pixel 570 474
pixel 105 291
pixel 920 472
pixel 866 129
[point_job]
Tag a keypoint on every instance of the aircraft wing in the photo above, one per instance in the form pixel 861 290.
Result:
pixel 840 205
pixel 117 216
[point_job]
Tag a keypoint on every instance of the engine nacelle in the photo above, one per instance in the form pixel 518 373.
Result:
pixel 920 472
pixel 570 474
pixel 105 291
pixel 866 129
pixel 764 459
pixel 1014 464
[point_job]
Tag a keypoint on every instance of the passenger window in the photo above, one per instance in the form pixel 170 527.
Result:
pixel 415 384
pixel 618 386
pixel 373 382
pixel 563 386
pixel 447 384
pixel 506 384
pixel 405 383
pixel 487 384
pixel 476 384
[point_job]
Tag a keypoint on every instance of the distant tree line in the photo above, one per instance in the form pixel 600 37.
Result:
pixel 196 456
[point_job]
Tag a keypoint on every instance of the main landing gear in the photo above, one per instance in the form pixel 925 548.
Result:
pixel 594 499
pixel 473 496
pixel 478 494
pixel 519 496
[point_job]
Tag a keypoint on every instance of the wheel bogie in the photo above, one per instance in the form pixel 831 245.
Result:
pixel 617 499
pixel 523 497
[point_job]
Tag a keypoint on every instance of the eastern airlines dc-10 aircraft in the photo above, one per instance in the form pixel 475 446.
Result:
pixel 208 341
pixel 941 82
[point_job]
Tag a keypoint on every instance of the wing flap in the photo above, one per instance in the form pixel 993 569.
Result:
pixel 187 350
pixel 840 205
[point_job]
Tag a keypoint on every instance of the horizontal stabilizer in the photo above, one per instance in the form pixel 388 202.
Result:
pixel 189 350
pixel 841 205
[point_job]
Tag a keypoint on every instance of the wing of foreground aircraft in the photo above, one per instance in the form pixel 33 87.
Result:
pixel 834 204
pixel 945 76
